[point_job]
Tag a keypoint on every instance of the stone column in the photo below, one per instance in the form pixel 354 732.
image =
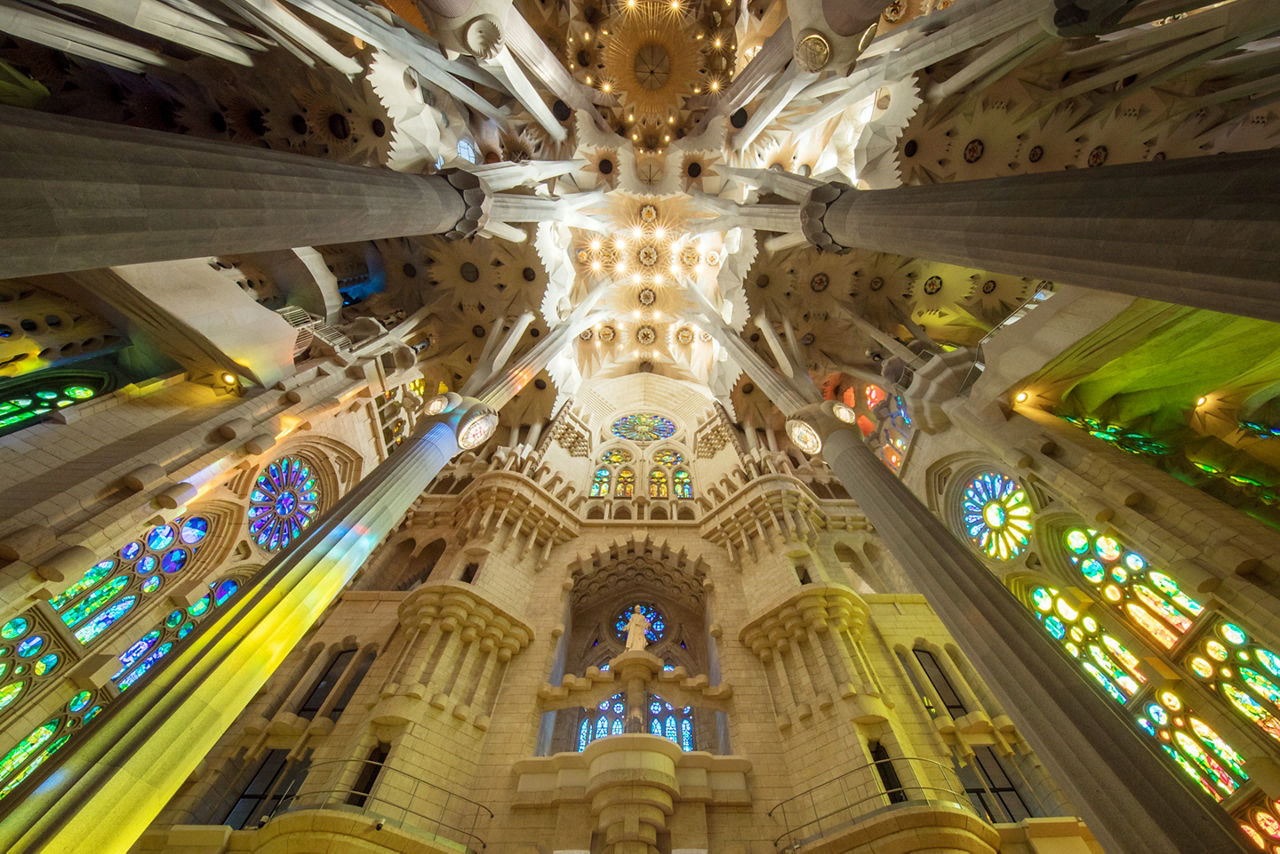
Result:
pixel 1130 798
pixel 144 749
pixel 81 194
pixel 1199 231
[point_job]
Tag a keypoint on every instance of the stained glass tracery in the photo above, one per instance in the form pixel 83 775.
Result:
pixel 682 484
pixel 600 483
pixel 668 457
pixel 284 501
pixel 1150 599
pixel 626 484
pixel 668 722
pixel 997 515
pixel 615 456
pixel 644 427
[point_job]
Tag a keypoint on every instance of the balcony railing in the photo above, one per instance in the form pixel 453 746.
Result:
pixel 391 796
pixel 837 805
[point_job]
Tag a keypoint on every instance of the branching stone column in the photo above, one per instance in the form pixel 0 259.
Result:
pixel 1132 801
pixel 1198 232
pixel 144 749
pixel 81 194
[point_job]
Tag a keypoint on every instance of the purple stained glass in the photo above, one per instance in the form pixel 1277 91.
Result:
pixel 131 550
pixel 160 538
pixel 284 501
pixel 174 560
pixel 194 530
pixel 146 565
pixel 225 590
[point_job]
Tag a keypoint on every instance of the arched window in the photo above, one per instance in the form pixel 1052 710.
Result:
pixel 284 501
pixel 468 151
pixel 40 744
pixel 615 457
pixel 682 484
pixel 673 724
pixel 1150 600
pixel 607 719
pixel 1187 741
pixel 657 484
pixel 112 587
pixel 626 484
pixel 996 514
pixel 600 483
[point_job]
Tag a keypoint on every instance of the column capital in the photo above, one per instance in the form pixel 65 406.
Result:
pixel 813 211
pixel 476 202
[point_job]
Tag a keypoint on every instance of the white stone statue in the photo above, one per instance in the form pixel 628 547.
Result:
pixel 636 627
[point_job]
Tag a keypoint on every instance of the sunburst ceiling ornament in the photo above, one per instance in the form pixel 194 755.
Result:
pixel 650 61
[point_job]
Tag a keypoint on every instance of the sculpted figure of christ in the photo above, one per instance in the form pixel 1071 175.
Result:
pixel 636 627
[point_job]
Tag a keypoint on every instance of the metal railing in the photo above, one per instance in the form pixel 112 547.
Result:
pixel 392 796
pixel 839 804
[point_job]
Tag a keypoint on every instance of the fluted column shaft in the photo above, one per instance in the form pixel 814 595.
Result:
pixel 1133 803
pixel 144 749
pixel 81 194
pixel 1201 232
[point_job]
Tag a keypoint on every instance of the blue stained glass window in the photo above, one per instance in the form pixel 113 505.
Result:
pixel 103 621
pixel 160 538
pixel 224 591
pixel 284 501
pixel 657 622
pixel 147 663
pixel 600 483
pixel 675 725
pixel 584 735
pixel 140 647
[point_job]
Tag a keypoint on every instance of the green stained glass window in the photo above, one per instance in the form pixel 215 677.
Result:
pixel 682 484
pixel 1150 599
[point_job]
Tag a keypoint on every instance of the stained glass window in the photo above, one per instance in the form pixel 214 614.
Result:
pixel 657 484
pixel 626 484
pixel 1187 741
pixel 668 457
pixel 30 407
pixel 996 515
pixel 1244 673
pixel 671 723
pixel 644 427
pixel 600 483
pixel 1103 657
pixel 1150 599
pixel 135 662
pixel 682 484
pixel 606 719
pixel 283 503
pixel 615 457
pixel 874 396
pixel 657 622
